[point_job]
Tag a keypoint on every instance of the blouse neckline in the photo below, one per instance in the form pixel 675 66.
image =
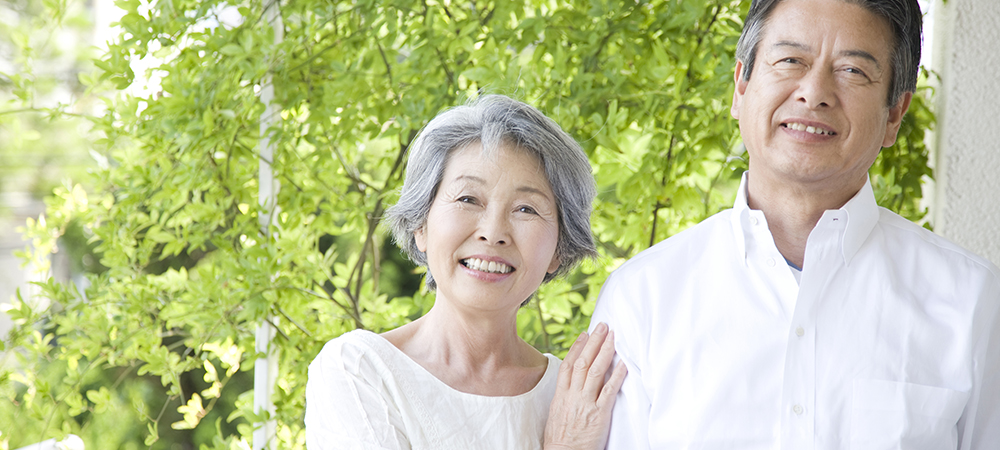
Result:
pixel 385 347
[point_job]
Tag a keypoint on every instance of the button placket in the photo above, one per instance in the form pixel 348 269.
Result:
pixel 799 389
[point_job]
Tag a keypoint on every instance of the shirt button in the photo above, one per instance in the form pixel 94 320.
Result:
pixel 798 409
pixel 770 262
pixel 799 332
pixel 753 220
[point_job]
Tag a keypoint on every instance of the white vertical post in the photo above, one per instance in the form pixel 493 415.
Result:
pixel 266 368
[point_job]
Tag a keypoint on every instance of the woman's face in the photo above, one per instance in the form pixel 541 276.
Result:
pixel 491 233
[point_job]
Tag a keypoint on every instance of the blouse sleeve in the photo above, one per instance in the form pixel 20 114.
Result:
pixel 346 404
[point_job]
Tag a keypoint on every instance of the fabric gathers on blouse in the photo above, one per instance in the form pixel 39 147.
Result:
pixel 364 393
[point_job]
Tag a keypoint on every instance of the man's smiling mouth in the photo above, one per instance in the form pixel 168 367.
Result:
pixel 808 129
pixel 487 266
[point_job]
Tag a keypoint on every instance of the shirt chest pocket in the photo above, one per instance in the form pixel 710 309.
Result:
pixel 892 415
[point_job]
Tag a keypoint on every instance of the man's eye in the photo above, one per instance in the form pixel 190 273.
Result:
pixel 789 60
pixel 856 71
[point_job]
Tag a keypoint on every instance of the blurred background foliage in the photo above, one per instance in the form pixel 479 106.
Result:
pixel 155 349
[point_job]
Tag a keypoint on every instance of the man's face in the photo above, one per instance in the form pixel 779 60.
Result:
pixel 813 113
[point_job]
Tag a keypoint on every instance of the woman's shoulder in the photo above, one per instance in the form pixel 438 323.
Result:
pixel 359 352
pixel 546 387
pixel 351 340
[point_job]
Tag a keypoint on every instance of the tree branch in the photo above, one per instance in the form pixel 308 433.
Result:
pixel 354 315
pixel 290 319
pixel 663 184
pixel 388 68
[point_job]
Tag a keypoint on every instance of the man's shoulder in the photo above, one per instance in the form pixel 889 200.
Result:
pixel 678 248
pixel 928 244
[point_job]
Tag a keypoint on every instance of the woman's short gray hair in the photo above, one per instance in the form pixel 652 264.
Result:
pixel 495 121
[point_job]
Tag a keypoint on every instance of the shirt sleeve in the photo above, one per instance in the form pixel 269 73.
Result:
pixel 630 416
pixel 979 427
pixel 345 405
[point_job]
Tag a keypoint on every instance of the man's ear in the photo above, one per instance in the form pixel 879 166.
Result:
pixel 895 119
pixel 740 89
pixel 421 238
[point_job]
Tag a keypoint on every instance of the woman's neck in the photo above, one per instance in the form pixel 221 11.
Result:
pixel 477 354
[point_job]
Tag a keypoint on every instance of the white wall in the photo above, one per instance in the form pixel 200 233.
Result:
pixel 15 208
pixel 966 205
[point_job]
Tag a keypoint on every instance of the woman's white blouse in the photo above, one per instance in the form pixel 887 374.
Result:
pixel 363 393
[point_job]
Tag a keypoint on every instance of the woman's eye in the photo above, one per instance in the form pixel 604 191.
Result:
pixel 467 199
pixel 526 209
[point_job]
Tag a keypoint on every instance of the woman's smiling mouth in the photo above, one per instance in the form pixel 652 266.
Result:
pixel 486 266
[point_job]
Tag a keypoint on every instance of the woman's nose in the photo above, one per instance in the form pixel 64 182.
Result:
pixel 494 228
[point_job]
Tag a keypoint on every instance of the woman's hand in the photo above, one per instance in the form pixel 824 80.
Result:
pixel 580 413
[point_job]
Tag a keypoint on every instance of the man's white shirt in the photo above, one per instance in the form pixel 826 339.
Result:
pixel 890 339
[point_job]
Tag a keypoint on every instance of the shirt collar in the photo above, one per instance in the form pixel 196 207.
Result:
pixel 740 219
pixel 861 212
pixel 862 215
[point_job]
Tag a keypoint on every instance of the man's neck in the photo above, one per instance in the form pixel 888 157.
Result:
pixel 792 211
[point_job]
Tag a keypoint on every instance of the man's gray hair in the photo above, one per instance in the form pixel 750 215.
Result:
pixel 495 121
pixel 903 16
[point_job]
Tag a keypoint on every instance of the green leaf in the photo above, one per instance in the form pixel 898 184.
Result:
pixel 231 50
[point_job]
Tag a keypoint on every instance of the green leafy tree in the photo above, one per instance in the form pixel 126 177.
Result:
pixel 175 216
pixel 42 137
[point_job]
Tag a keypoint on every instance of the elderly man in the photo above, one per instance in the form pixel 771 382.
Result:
pixel 807 317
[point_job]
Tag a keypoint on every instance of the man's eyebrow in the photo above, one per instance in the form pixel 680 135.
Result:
pixel 792 44
pixel 852 53
pixel 863 55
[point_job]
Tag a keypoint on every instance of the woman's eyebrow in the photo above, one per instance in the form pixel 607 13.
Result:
pixel 532 190
pixel 471 178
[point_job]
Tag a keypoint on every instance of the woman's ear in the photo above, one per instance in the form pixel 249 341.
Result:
pixel 554 265
pixel 421 239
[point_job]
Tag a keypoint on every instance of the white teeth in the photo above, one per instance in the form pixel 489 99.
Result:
pixel 808 129
pixel 487 266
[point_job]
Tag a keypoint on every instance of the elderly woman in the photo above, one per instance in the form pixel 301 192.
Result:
pixel 496 200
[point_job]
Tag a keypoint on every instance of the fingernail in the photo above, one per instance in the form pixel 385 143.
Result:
pixel 581 336
pixel 601 327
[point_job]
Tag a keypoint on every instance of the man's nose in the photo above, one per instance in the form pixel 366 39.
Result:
pixel 817 89
pixel 494 227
